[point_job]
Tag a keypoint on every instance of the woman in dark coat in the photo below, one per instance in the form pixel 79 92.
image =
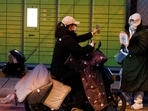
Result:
pixel 135 65
pixel 67 43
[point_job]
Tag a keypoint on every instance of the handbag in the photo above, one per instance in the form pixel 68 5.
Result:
pixel 120 56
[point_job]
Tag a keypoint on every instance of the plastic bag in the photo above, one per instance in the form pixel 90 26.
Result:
pixel 119 57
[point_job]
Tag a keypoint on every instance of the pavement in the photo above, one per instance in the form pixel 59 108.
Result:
pixel 7 87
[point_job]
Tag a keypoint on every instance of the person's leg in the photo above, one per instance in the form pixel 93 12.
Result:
pixel 138 100
pixel 128 97
pixel 78 94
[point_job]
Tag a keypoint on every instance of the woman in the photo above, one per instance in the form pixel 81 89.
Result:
pixel 135 68
pixel 67 42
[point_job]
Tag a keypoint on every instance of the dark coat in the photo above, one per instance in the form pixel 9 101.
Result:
pixel 66 44
pixel 135 65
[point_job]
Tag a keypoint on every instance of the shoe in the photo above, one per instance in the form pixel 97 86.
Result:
pixel 76 109
pixel 137 106
pixel 120 103
pixel 8 99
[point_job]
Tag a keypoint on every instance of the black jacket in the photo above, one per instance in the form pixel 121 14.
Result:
pixel 67 43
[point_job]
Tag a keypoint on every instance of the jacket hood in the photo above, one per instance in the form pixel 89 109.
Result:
pixel 64 31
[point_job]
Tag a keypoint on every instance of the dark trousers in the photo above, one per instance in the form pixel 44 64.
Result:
pixel 73 79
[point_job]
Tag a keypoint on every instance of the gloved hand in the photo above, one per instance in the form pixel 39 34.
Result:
pixel 124 52
pixel 96 30
pixel 124 49
pixel 92 43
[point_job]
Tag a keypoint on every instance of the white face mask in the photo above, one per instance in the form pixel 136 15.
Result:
pixel 74 28
pixel 132 27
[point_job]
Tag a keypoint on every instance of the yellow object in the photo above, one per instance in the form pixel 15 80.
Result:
pixel 2 75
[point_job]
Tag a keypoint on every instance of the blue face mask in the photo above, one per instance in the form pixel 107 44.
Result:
pixel 74 28
pixel 131 23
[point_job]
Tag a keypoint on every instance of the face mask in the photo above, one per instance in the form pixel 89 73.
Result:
pixel 74 28
pixel 131 23
pixel 133 26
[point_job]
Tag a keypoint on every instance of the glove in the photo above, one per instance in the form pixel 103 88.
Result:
pixel 124 49
pixel 92 43
pixel 123 52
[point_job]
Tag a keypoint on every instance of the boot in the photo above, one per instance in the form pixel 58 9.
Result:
pixel 138 100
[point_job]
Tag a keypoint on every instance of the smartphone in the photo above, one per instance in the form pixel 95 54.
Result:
pixel 97 26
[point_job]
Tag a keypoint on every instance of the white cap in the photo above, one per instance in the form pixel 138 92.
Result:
pixel 69 20
pixel 136 17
